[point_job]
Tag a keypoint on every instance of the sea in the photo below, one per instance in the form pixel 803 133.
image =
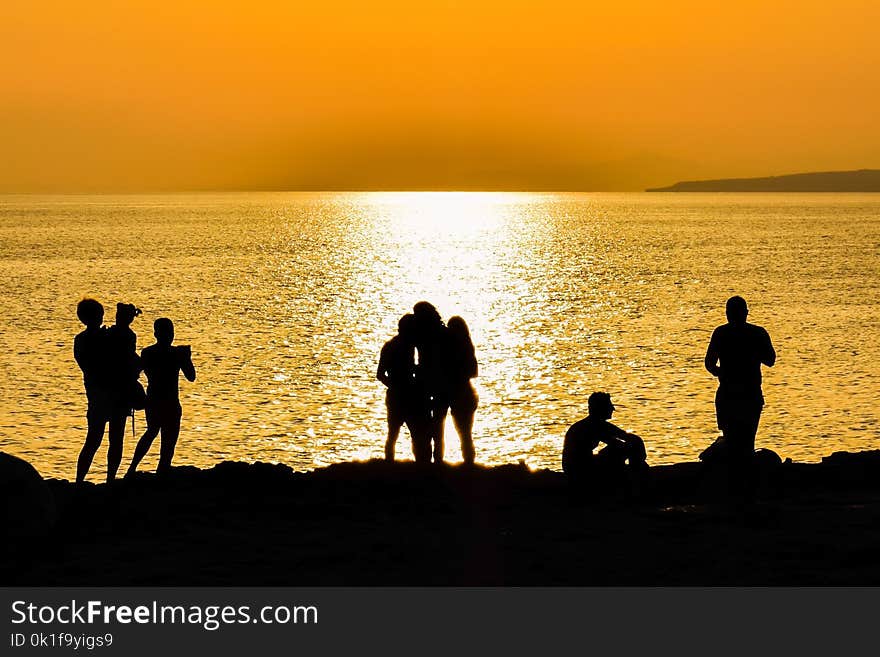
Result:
pixel 287 298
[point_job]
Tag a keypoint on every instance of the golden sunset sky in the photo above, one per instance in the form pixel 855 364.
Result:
pixel 135 95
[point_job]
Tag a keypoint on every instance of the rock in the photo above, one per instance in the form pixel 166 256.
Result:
pixel 867 459
pixel 27 507
pixel 767 459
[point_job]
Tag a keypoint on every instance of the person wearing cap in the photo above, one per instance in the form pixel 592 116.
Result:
pixel 585 435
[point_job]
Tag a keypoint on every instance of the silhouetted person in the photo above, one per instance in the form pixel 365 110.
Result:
pixel 403 398
pixel 432 372
pixel 91 350
pixel 125 362
pixel 123 366
pixel 162 364
pixel 578 461
pixel 462 366
pixel 735 355
pixel 121 331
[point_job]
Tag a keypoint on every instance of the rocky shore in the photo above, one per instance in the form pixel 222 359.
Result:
pixel 401 524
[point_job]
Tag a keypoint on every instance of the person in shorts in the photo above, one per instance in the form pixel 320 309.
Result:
pixel 163 363
pixel 91 350
pixel 404 400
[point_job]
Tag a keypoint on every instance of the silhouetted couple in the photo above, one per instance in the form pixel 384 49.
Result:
pixel 111 368
pixel 420 394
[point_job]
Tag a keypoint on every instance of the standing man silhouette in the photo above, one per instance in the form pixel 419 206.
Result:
pixel 91 352
pixel 403 398
pixel 735 355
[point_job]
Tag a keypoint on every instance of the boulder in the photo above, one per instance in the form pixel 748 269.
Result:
pixel 27 507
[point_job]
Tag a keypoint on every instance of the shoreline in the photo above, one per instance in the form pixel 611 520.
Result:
pixel 373 523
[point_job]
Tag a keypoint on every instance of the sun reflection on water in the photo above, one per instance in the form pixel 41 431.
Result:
pixel 449 248
pixel 286 300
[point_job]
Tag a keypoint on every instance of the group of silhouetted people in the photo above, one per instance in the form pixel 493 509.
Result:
pixel 427 369
pixel 111 370
pixel 735 354
pixel 420 392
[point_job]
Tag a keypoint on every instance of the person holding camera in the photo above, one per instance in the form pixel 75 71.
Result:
pixel 162 363
pixel 90 350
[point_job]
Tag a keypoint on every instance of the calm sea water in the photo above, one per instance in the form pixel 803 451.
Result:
pixel 286 300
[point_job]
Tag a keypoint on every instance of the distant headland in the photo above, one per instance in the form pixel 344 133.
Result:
pixel 863 180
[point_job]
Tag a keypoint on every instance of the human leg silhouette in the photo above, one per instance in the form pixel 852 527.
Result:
pixel 94 435
pixel 438 420
pixel 168 440
pixel 463 419
pixel 395 405
pixel 115 436
pixel 463 408
pixel 142 447
pixel 738 419
pixel 421 441
pixel 394 425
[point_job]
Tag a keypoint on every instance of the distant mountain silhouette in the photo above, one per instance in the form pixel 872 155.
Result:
pixel 863 180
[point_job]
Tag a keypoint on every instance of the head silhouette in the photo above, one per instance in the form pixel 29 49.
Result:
pixel 90 312
pixel 426 313
pixel 407 326
pixel 125 313
pixel 163 329
pixel 737 310
pixel 600 405
pixel 458 328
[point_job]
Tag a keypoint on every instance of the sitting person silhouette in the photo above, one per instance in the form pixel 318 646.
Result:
pixel 91 350
pixel 162 363
pixel 578 461
pixel 403 400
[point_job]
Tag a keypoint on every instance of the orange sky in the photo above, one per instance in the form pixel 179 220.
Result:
pixel 132 95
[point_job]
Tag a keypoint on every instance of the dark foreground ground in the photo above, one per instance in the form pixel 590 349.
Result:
pixel 378 524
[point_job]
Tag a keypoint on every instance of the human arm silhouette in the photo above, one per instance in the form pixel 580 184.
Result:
pixel 381 370
pixel 473 367
pixel 186 364
pixel 85 355
pixel 615 434
pixel 712 355
pixel 769 355
pixel 78 355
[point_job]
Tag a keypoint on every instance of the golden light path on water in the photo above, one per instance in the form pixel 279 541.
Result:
pixel 286 300
pixel 451 248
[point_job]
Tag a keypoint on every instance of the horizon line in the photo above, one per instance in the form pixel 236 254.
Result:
pixel 158 192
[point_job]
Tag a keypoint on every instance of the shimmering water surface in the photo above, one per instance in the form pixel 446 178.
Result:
pixel 286 300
